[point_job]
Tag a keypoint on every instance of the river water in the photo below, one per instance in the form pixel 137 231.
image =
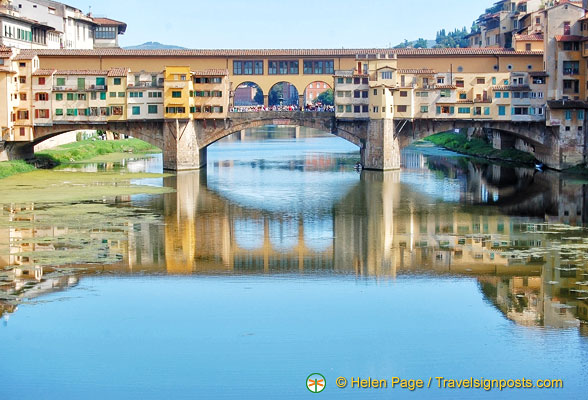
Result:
pixel 280 260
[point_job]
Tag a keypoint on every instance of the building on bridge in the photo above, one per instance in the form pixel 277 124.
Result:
pixel 501 93
pixel 389 92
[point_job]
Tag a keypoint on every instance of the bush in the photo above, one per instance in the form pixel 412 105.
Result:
pixel 478 147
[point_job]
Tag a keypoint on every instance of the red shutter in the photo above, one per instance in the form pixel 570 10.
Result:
pixel 36 113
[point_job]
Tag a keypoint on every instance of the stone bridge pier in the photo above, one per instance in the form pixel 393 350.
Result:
pixel 379 147
pixel 184 142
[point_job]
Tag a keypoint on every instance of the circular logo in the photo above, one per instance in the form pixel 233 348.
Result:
pixel 316 383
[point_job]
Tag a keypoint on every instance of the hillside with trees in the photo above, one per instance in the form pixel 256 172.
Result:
pixel 444 39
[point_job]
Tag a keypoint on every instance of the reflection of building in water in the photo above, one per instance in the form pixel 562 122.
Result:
pixel 204 233
pixel 381 227
pixel 29 283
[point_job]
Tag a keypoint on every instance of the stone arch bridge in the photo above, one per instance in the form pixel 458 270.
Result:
pixel 184 142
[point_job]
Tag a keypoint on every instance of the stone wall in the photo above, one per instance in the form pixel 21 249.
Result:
pixel 382 149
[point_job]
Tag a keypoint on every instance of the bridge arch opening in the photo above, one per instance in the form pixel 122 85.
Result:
pixel 318 93
pixel 248 94
pixel 49 137
pixel 283 94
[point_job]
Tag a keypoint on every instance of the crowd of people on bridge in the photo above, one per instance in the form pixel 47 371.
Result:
pixel 283 108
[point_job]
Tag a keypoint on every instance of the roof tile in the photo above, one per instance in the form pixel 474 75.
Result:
pixel 81 72
pixel 568 38
pixel 530 38
pixel 44 72
pixel 278 52
pixel 118 72
pixel 211 72
pixel 423 71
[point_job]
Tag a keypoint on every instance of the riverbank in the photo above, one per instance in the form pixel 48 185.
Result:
pixel 84 150
pixel 9 168
pixel 479 148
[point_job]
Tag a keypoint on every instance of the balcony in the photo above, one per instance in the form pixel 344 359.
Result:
pixel 65 88
pixel 571 71
pixel 97 87
pixel 146 85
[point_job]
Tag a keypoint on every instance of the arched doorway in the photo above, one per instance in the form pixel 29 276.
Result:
pixel 248 94
pixel 318 93
pixel 283 94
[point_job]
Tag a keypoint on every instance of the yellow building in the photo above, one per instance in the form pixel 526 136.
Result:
pixel 178 86
pixel 23 97
pixel 43 84
pixel 8 89
pixel 534 42
pixel 210 94
pixel 117 93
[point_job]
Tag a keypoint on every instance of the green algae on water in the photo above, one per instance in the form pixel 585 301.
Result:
pixel 66 234
pixel 64 186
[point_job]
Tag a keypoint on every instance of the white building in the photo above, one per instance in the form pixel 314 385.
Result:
pixel 145 95
pixel 40 24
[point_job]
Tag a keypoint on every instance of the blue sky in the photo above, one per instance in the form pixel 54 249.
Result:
pixel 284 24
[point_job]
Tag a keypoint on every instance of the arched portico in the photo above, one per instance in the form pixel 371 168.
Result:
pixel 284 94
pixel 248 94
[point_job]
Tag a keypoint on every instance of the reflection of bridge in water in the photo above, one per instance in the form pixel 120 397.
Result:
pixel 381 228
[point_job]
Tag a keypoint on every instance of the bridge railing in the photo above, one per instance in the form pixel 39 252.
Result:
pixel 280 115
pixel 238 109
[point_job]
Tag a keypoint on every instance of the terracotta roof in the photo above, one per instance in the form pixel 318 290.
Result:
pixel 576 3
pixel 5 52
pixel 122 27
pixel 445 87
pixel 568 38
pixel 107 21
pixel 81 72
pixel 44 72
pixel 281 52
pixel 118 72
pixel 212 72
pixel 530 38
pixel 25 56
pixel 423 71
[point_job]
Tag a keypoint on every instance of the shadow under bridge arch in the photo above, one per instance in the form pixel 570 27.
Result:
pixel 240 121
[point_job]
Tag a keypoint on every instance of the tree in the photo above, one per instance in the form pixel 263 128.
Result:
pixel 403 45
pixel 420 44
pixel 258 96
pixel 326 98
pixel 275 93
